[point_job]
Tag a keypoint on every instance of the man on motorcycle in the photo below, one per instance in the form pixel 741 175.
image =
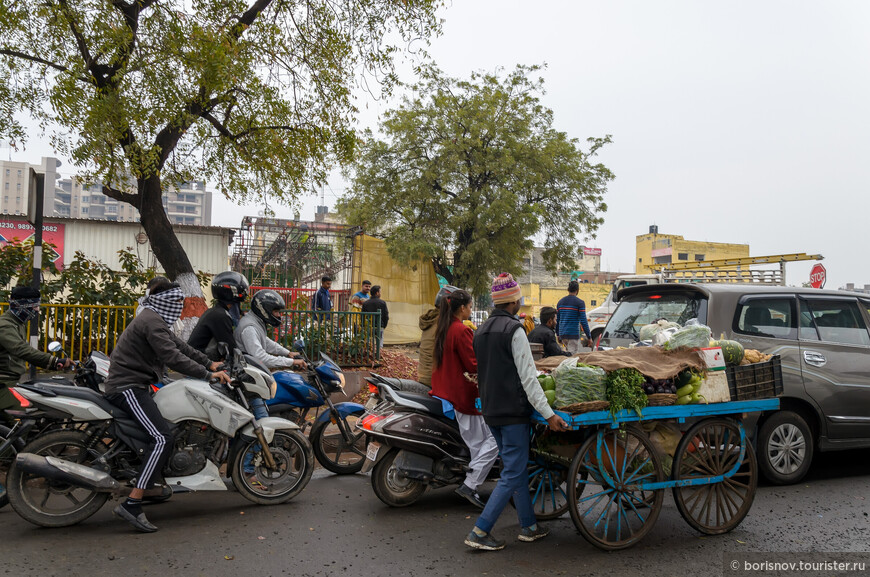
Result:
pixel 137 362
pixel 216 325
pixel 509 392
pixel 15 351
pixel 250 336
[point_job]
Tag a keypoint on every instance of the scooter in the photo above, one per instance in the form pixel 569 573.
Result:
pixel 415 443
pixel 65 476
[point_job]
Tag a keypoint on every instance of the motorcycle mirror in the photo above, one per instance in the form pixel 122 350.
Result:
pixel 299 345
pixel 54 347
pixel 223 350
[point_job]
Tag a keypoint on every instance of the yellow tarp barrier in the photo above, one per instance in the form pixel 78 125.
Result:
pixel 408 291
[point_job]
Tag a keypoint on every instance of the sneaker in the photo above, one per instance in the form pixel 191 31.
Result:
pixel 470 495
pixel 528 535
pixel 485 543
pixel 140 522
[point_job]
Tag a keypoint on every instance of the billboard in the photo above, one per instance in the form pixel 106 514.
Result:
pixel 591 251
pixel 52 234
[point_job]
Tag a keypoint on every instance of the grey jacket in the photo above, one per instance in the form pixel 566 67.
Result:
pixel 145 347
pixel 251 338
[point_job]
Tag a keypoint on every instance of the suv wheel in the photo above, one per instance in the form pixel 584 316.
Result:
pixel 785 448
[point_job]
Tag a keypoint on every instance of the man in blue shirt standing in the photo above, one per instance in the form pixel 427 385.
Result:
pixel 322 300
pixel 570 317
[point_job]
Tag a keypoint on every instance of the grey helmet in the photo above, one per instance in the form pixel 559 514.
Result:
pixel 264 302
pixel 445 291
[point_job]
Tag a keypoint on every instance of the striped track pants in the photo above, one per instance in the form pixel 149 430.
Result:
pixel 140 406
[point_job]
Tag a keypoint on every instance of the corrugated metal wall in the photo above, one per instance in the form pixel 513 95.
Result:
pixel 206 247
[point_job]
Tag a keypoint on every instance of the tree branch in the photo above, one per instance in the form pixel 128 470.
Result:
pixel 80 39
pixel 127 197
pixel 38 60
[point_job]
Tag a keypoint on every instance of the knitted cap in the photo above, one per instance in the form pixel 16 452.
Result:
pixel 505 289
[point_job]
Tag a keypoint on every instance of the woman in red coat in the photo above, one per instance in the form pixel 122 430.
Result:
pixel 453 356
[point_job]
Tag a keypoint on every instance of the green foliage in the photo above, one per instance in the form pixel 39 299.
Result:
pixel 82 281
pixel 16 267
pixel 470 171
pixel 255 97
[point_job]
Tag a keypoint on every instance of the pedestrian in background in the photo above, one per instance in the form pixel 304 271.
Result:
pixel 509 394
pixel 358 298
pixel 544 334
pixel 322 298
pixel 570 318
pixel 428 323
pixel 375 303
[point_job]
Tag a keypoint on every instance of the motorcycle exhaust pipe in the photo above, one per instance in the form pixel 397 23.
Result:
pixel 67 472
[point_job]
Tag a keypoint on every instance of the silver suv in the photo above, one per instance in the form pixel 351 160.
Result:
pixel 822 337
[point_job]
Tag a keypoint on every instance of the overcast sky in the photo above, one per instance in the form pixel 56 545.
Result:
pixel 740 121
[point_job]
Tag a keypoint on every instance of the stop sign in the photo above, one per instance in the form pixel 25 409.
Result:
pixel 818 276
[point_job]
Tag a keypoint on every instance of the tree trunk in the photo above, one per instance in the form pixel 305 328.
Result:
pixel 170 253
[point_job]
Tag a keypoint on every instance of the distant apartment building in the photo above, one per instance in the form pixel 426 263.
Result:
pixel 189 204
pixel 658 249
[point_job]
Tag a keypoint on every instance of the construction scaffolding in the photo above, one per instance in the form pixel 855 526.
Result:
pixel 274 252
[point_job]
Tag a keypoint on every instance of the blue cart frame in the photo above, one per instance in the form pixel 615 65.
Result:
pixel 615 485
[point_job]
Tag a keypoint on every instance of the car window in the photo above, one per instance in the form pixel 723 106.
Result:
pixel 767 317
pixel 642 309
pixel 839 321
pixel 808 330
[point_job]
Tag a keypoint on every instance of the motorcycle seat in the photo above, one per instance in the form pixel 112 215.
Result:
pixel 416 401
pixel 84 394
pixel 403 384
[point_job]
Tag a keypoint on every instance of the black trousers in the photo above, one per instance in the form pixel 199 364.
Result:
pixel 138 404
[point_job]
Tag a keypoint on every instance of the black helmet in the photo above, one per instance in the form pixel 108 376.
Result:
pixel 445 291
pixel 229 287
pixel 264 303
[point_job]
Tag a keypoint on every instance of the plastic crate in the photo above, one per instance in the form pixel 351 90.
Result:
pixel 755 381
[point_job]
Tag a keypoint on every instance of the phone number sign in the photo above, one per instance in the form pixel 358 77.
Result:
pixel 52 234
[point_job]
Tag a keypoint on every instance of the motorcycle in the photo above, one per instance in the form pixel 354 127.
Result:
pixel 63 477
pixel 415 443
pixel 88 374
pixel 337 445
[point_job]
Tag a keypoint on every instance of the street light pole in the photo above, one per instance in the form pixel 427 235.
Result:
pixel 34 214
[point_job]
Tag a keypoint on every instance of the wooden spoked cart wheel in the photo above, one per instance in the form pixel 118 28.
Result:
pixel 607 505
pixel 715 448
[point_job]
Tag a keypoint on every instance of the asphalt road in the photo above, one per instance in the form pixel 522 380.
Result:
pixel 337 526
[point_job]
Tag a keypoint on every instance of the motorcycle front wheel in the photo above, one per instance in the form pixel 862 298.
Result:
pixel 50 503
pixel 393 488
pixel 340 455
pixel 294 464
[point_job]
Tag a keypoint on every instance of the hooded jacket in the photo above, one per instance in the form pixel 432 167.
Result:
pixel 428 322
pixel 15 350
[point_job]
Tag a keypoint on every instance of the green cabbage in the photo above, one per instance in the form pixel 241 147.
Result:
pixel 691 336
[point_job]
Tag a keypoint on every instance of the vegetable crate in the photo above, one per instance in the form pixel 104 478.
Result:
pixel 755 381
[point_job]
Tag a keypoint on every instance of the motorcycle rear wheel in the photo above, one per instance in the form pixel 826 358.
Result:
pixel 294 460
pixel 333 451
pixel 48 503
pixel 391 487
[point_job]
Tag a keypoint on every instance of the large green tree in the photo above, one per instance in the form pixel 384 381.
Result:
pixel 469 172
pixel 254 96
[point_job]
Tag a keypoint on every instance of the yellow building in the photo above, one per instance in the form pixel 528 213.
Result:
pixel 655 248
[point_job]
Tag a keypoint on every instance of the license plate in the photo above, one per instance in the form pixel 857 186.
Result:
pixel 371 403
pixel 372 451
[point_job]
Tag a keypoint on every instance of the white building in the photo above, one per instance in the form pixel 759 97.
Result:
pixel 189 204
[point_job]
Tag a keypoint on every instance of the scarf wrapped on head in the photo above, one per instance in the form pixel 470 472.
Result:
pixel 24 303
pixel 168 304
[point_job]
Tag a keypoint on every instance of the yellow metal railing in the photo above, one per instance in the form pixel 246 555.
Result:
pixel 81 329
